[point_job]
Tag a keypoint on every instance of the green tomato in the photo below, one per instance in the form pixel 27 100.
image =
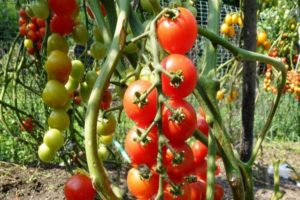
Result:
pixel 97 34
pixel 28 43
pixel 85 91
pixel 40 9
pixel 57 42
pixel 54 139
pixel 102 152
pixel 55 94
pixel 71 85
pixel 106 126
pixel 90 78
pixel 106 139
pixel 59 119
pixel 146 5
pixel 80 34
pixel 98 50
pixel 45 153
pixel 131 47
pixel 77 70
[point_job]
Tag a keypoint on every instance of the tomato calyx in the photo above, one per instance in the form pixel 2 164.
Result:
pixel 176 78
pixel 177 115
pixel 176 189
pixel 191 179
pixel 145 172
pixel 140 99
pixel 142 138
pixel 172 14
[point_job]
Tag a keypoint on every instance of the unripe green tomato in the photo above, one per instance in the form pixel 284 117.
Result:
pixel 146 74
pixel 28 43
pixel 85 91
pixel 55 94
pixel 106 126
pixel 59 119
pixel 98 50
pixel 106 139
pixel 45 153
pixel 57 42
pixel 90 78
pixel 97 34
pixel 146 5
pixel 77 70
pixel 71 85
pixel 80 34
pixel 40 9
pixel 54 139
pixel 102 152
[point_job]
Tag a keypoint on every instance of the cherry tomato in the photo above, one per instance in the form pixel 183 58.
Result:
pixel 143 112
pixel 219 192
pixel 22 13
pixel 179 168
pixel 180 124
pixel 59 119
pixel 201 185
pixel 40 9
pixel 179 64
pixel 98 50
pixel 146 5
pixel 55 94
pixel 31 26
pixel 79 187
pixel 42 32
pixel 106 139
pixel 27 125
pixel 201 170
pixel 142 187
pixel 141 152
pixel 32 35
pixel 106 100
pixel 54 139
pixel 63 7
pixel 58 66
pixel 45 153
pixel 200 151
pixel 102 152
pixel 40 22
pixel 23 30
pixel 197 190
pixel 57 42
pixel 203 126
pixel 184 193
pixel 177 35
pixel 22 21
pixel 107 125
pixel 62 25
pixel 80 34
pixel 77 70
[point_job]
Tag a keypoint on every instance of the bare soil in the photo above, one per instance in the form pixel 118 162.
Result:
pixel 36 183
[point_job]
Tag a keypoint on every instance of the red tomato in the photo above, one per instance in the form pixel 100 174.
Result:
pixel 79 187
pixel 22 13
pixel 203 126
pixel 63 7
pixel 141 114
pixel 197 190
pixel 178 131
pixel 42 31
pixel 178 170
pixel 32 35
pixel 27 125
pixel 200 151
pixel 40 22
pixel 22 21
pixel 177 35
pixel 77 100
pixel 106 100
pixel 62 25
pixel 139 152
pixel 201 170
pixel 185 193
pixel 140 187
pixel 23 30
pixel 219 192
pixel 176 63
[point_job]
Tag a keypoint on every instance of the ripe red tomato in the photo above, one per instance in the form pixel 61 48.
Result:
pixel 219 192
pixel 40 22
pixel 201 185
pixel 178 170
pixel 197 190
pixel 31 26
pixel 177 35
pixel 22 21
pixel 106 100
pixel 200 151
pixel 201 170
pixel 32 35
pixel 203 126
pixel 63 7
pixel 178 131
pixel 42 32
pixel 22 13
pixel 23 30
pixel 62 25
pixel 141 187
pixel 79 187
pixel 185 193
pixel 141 114
pixel 139 152
pixel 176 63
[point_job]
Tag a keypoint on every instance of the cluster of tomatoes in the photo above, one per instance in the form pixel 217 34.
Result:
pixel 262 40
pixel 230 97
pixel 165 120
pixel 33 29
pixel 231 19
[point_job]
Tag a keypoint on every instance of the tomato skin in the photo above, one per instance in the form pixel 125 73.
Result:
pixel 59 119
pixel 200 151
pixel 22 30
pixel 80 34
pixel 135 112
pixel 183 30
pixel 54 139
pixel 63 7
pixel 106 100
pixel 58 66
pixel 178 132
pixel 57 42
pixel 179 63
pixel 45 153
pixel 197 190
pixel 107 125
pixel 138 152
pixel 186 193
pixel 179 170
pixel 201 185
pixel 79 187
pixel 55 94
pixel 139 187
pixel 203 126
pixel 62 25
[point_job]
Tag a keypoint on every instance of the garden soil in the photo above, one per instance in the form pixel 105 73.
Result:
pixel 47 183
